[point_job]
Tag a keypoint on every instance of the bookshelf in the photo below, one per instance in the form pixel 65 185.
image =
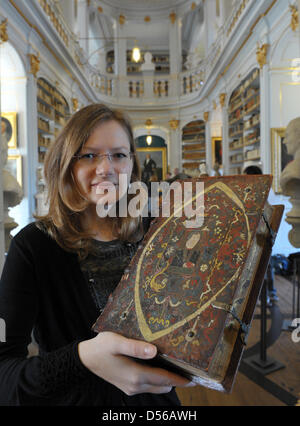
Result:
pixel 244 123
pixel 53 112
pixel 193 145
pixel 161 61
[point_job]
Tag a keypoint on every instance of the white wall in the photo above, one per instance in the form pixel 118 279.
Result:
pixel 13 99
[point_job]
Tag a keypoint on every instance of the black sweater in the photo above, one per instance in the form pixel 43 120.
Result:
pixel 43 289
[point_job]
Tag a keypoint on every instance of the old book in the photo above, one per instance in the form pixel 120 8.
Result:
pixel 192 291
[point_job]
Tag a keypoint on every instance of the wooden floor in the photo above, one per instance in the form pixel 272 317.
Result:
pixel 279 388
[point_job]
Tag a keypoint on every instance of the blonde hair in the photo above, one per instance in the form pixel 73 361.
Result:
pixel 66 204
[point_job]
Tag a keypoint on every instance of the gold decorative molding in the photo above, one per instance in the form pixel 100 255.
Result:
pixel 261 54
pixel 193 6
pixel 174 124
pixel 173 17
pixel 75 104
pixel 214 105
pixel 222 98
pixel 252 29
pixel 34 63
pixel 148 122
pixel 147 19
pixel 3 31
pixel 122 19
pixel 237 15
pixel 100 10
pixel 54 18
pixel 206 115
pixel 295 17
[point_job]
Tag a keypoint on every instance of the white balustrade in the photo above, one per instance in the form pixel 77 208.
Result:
pixel 134 87
pixel 54 14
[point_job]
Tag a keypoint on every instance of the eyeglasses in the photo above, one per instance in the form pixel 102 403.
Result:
pixel 116 158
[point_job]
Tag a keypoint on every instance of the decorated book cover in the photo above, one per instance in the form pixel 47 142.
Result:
pixel 192 290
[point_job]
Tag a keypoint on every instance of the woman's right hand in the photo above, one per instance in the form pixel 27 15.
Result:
pixel 111 357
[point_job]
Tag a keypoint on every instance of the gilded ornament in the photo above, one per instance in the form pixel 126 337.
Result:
pixel 100 10
pixel 222 98
pixel 261 54
pixel 174 124
pixel 34 63
pixel 3 31
pixel 75 104
pixel 148 122
pixel 295 17
pixel 206 116
pixel 122 19
pixel 147 19
pixel 173 17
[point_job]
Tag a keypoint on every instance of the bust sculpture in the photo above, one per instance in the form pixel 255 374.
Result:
pixel 202 169
pixel 290 175
pixel 290 180
pixel 12 191
pixel 216 168
pixel 148 65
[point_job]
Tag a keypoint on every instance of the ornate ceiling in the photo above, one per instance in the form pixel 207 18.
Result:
pixel 136 7
pixel 147 21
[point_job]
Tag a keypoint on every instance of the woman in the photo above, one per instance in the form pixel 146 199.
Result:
pixel 60 271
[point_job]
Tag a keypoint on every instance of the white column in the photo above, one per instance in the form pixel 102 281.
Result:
pixel 175 46
pixel 225 10
pixel 120 47
pixel 225 141
pixel 175 52
pixel 208 145
pixel 222 11
pixel 68 9
pixel 83 25
pixel 175 149
pixel 32 141
pixel 120 66
pixel 265 144
pixel 209 22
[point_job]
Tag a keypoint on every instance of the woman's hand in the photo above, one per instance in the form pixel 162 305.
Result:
pixel 108 355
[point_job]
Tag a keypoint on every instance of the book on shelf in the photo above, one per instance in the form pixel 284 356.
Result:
pixel 252 154
pixel 193 147
pixel 192 291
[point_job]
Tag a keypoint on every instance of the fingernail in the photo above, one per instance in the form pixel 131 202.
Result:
pixel 149 350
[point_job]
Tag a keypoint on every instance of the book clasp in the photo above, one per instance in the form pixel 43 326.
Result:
pixel 244 328
pixel 271 232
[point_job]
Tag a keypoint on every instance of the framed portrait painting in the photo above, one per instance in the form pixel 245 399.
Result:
pixel 153 163
pixel 9 128
pixel 216 146
pixel 14 166
pixel 280 156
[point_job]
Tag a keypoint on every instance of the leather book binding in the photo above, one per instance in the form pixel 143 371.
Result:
pixel 192 290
